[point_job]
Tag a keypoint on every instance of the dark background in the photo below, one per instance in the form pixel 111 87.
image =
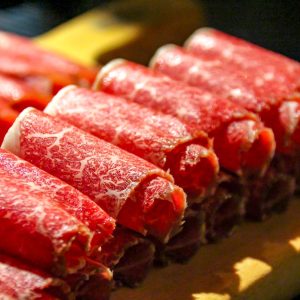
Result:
pixel 274 24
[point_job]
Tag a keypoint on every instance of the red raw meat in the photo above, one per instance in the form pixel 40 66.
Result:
pixel 241 141
pixel 20 281
pixel 77 205
pixel 213 44
pixel 246 87
pixel 22 58
pixel 64 195
pixel 212 76
pixel 161 139
pixel 121 183
pixel 43 233
pixel 7 118
pixel 19 94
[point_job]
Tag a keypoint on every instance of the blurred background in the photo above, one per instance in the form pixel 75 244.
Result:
pixel 274 24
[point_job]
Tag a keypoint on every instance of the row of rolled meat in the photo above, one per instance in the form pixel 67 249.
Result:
pixel 104 175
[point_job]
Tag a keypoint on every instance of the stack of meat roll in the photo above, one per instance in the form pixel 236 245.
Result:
pixel 19 94
pixel 261 81
pixel 55 227
pixel 30 76
pixel 121 183
pixel 242 143
pixel 21 58
pixel 145 167
pixel 20 281
pixel 140 196
pixel 166 142
pixel 80 206
pixel 271 77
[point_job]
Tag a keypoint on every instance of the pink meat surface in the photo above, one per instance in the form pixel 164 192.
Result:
pixel 272 78
pixel 251 90
pixel 19 94
pixel 138 194
pixel 214 44
pixel 37 230
pixel 21 281
pixel 238 134
pixel 161 139
pixel 62 194
pixel 22 58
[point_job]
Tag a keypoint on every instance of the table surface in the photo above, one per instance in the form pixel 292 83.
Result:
pixel 260 261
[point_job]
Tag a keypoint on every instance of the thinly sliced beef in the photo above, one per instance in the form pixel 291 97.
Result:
pixel 7 118
pixel 239 85
pixel 233 128
pixel 213 44
pixel 261 81
pixel 19 94
pixel 62 194
pixel 161 139
pixel 21 281
pixel 100 224
pixel 36 229
pixel 242 143
pixel 273 77
pixel 20 57
pixel 244 86
pixel 137 194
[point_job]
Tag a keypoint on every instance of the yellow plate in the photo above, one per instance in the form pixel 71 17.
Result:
pixel 131 29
